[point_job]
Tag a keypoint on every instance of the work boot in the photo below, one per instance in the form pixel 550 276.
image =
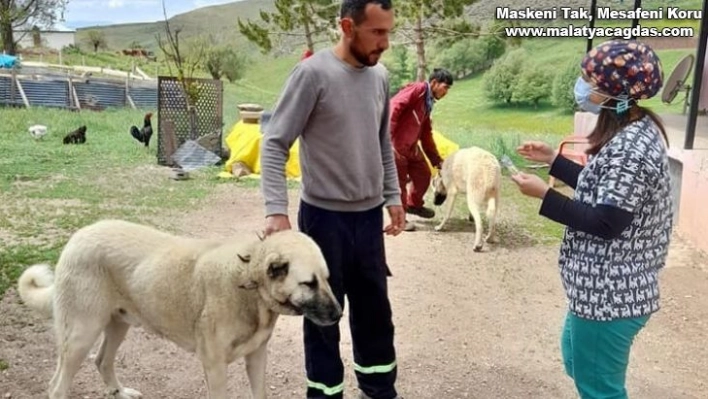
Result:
pixel 425 213
pixel 409 226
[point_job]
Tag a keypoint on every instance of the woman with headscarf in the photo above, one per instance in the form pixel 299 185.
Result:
pixel 619 220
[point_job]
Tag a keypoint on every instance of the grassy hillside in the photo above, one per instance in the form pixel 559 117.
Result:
pixel 219 21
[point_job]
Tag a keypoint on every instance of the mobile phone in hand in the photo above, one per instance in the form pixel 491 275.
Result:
pixel 506 162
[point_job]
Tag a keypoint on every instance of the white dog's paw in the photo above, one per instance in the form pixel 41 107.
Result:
pixel 438 227
pixel 492 239
pixel 126 393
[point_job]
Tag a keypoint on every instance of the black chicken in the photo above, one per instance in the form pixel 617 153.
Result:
pixel 143 135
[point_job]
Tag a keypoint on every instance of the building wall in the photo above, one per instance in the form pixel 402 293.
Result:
pixel 692 191
pixel 703 97
pixel 53 40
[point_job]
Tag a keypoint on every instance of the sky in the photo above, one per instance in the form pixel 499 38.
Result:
pixel 80 13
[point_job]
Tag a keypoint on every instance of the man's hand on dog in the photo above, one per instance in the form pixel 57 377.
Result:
pixel 275 223
pixel 398 220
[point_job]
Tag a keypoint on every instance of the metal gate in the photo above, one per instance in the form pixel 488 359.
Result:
pixel 174 117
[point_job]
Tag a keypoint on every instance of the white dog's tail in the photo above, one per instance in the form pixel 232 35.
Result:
pixel 36 288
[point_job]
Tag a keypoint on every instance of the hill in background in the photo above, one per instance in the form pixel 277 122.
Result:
pixel 219 21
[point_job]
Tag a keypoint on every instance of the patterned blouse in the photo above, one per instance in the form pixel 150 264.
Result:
pixel 606 279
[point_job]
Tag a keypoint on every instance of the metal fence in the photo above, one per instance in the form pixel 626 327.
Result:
pixel 175 125
pixel 73 92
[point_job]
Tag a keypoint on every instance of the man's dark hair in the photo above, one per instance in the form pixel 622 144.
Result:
pixel 441 75
pixel 354 9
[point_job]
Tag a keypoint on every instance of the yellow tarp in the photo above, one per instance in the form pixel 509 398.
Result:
pixel 445 147
pixel 244 142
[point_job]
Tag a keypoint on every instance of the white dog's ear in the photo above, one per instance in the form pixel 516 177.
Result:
pixel 277 267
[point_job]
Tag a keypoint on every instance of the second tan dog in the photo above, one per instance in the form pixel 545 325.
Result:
pixel 476 173
pixel 219 298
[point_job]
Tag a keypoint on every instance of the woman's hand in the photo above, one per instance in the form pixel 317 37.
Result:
pixel 531 185
pixel 537 151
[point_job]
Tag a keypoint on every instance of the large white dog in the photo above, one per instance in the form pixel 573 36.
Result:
pixel 219 298
pixel 477 174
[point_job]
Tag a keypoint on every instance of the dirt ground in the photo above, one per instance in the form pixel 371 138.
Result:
pixel 468 325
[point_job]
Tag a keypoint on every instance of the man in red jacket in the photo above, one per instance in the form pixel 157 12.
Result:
pixel 410 123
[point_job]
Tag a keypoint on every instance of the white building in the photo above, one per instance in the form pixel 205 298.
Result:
pixel 56 38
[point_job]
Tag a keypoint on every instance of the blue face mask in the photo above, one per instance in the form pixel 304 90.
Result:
pixel 582 93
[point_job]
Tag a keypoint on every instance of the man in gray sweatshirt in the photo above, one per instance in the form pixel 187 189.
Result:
pixel 337 103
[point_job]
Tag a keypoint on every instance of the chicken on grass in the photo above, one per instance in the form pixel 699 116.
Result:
pixel 143 135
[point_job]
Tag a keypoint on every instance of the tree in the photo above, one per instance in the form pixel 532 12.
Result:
pixel 97 39
pixel 308 19
pixel 234 65
pixel 534 85
pixel 501 79
pixel 400 69
pixel 36 36
pixel 23 14
pixel 422 20
pixel 563 84
pixel 224 62
pixel 498 29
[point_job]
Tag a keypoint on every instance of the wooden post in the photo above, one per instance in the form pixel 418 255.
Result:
pixel 70 89
pixel 192 111
pixel 76 97
pixel 169 141
pixel 73 96
pixel 13 85
pixel 126 99
pixel 22 92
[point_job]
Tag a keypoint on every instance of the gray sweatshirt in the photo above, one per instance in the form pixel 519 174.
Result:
pixel 341 115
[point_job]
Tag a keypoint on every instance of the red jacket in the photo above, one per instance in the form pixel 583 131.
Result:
pixel 410 123
pixel 307 54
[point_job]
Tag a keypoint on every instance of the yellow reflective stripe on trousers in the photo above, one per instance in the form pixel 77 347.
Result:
pixel 329 391
pixel 375 369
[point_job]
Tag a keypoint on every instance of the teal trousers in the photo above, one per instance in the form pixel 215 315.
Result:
pixel 596 354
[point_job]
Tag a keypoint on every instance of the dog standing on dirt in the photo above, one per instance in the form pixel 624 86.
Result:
pixel 218 298
pixel 476 173
pixel 78 136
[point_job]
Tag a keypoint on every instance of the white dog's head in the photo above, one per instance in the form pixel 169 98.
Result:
pixel 290 273
pixel 439 190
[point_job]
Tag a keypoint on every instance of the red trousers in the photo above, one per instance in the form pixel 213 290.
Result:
pixel 418 171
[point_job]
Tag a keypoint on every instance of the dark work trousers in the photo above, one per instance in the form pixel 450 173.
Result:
pixel 353 246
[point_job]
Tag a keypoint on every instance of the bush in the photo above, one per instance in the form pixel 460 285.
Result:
pixel 563 84
pixel 225 62
pixel 501 80
pixel 534 84
pixel 468 56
